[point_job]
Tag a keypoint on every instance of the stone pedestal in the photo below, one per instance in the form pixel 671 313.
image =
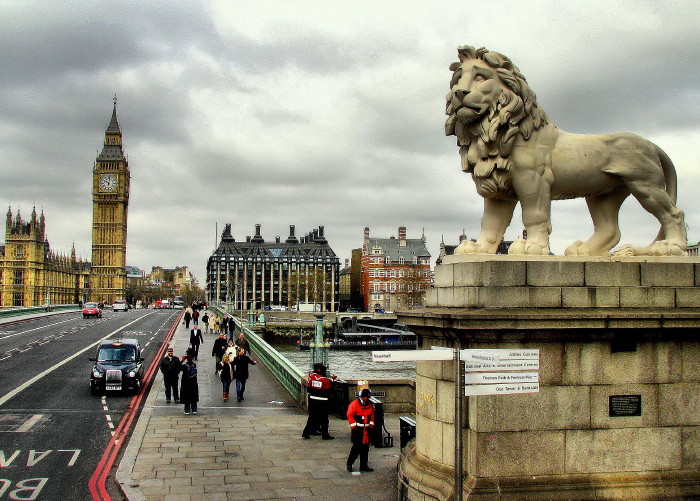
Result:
pixel 609 332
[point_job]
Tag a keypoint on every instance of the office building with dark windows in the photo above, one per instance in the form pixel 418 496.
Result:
pixel 297 274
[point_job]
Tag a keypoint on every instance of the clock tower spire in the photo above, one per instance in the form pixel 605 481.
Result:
pixel 110 202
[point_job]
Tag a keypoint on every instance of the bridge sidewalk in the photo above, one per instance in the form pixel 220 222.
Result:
pixel 249 450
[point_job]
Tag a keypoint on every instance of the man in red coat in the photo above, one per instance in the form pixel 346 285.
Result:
pixel 361 419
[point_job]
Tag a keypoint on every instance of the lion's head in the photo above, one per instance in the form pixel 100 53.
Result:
pixel 489 105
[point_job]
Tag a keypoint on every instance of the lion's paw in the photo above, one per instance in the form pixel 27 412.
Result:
pixel 625 250
pixel 666 248
pixel 517 247
pixel 468 247
pixel 576 249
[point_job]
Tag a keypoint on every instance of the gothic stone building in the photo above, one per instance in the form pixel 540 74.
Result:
pixel 31 274
pixel 110 203
pixel 255 274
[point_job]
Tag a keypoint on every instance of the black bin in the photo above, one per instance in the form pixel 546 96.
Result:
pixel 379 436
pixel 407 429
pixel 340 399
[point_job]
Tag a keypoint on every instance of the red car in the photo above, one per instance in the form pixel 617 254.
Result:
pixel 92 310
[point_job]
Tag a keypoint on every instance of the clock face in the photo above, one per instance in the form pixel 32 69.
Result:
pixel 108 182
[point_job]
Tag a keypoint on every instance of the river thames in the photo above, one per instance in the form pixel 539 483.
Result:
pixel 350 364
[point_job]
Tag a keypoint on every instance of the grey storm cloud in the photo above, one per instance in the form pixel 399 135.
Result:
pixel 284 113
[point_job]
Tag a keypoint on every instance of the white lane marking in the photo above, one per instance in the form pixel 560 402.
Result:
pixel 36 328
pixel 29 423
pixel 36 378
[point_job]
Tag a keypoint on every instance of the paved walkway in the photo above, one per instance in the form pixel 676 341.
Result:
pixel 250 450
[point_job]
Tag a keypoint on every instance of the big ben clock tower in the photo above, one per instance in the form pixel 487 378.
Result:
pixel 110 203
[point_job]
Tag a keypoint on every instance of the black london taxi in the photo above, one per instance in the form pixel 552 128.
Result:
pixel 118 366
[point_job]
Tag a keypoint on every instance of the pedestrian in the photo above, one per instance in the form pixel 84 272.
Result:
pixel 224 324
pixel 170 367
pixel 240 369
pixel 188 317
pixel 231 328
pixel 219 349
pixel 231 350
pixel 195 340
pixel 243 343
pixel 189 389
pixel 195 317
pixel 319 392
pixel 227 374
pixel 217 324
pixel 205 322
pixel 361 417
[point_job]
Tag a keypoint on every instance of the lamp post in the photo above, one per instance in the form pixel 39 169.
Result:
pixel 318 348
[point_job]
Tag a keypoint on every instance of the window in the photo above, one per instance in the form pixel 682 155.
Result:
pixel 401 260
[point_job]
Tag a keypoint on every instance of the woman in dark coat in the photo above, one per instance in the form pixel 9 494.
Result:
pixel 227 374
pixel 189 389
pixel 240 367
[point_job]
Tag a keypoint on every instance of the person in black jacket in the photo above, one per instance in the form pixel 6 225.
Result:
pixel 240 367
pixel 195 340
pixel 219 348
pixel 170 367
pixel 189 389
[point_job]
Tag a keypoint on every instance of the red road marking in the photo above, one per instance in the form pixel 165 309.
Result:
pixel 99 476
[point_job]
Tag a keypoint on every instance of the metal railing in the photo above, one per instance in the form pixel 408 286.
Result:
pixel 286 372
pixel 26 310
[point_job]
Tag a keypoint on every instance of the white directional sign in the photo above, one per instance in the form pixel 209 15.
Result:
pixel 509 365
pixel 500 389
pixel 501 377
pixel 490 378
pixel 407 355
pixel 502 354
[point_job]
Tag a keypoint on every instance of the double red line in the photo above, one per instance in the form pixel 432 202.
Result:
pixel 98 479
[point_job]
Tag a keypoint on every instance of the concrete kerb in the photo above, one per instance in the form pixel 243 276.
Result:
pixel 126 465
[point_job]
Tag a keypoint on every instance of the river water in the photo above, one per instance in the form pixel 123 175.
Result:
pixel 350 364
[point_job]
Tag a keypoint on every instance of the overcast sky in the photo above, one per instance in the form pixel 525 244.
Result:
pixel 318 113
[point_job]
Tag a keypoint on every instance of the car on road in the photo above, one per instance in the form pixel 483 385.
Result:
pixel 118 366
pixel 120 305
pixel 92 310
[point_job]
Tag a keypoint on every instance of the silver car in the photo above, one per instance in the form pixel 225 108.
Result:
pixel 120 305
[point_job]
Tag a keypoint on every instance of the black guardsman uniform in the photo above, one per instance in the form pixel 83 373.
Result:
pixel 319 390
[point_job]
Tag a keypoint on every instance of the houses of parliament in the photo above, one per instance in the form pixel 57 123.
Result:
pixel 33 274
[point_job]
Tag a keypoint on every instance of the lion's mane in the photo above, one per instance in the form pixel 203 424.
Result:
pixel 485 144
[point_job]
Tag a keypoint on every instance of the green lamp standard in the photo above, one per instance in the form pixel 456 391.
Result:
pixel 319 348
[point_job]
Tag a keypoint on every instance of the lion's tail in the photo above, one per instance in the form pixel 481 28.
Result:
pixel 671 180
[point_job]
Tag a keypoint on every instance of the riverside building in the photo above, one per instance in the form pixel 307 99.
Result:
pixel 395 271
pixel 297 274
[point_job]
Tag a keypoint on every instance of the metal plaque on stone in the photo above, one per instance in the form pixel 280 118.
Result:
pixel 625 405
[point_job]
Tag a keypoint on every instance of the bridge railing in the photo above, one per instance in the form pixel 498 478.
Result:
pixel 27 310
pixel 286 372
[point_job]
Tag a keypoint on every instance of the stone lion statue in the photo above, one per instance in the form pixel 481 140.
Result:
pixel 515 154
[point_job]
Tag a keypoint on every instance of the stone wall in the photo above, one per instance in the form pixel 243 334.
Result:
pixel 563 442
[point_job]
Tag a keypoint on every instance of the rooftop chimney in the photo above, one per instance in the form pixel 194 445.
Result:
pixel 291 239
pixel 258 239
pixel 402 236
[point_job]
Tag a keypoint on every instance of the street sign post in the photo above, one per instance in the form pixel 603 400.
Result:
pixel 485 372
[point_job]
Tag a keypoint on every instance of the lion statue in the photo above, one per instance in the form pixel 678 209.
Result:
pixel 515 154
